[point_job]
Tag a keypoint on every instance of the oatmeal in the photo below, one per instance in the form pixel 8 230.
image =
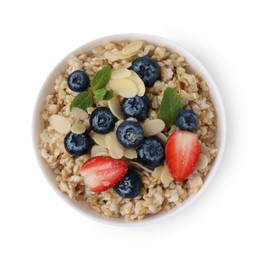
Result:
pixel 157 183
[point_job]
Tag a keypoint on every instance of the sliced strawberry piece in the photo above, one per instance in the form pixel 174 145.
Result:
pixel 182 152
pixel 101 173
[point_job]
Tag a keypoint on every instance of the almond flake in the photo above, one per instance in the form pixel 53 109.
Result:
pixel 115 108
pixel 166 177
pixel 139 166
pixel 153 127
pixel 97 150
pixel 123 87
pixel 158 172
pixel 115 149
pixel 162 137
pixel 116 55
pixel 78 128
pixel 120 73
pixel 60 124
pixel 130 153
pixel 132 48
pixel 131 119
pixel 99 139
pixel 79 113
pixel 103 154
pixel 138 82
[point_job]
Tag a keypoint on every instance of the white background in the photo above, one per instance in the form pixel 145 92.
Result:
pixel 226 222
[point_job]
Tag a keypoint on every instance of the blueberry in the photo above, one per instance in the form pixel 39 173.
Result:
pixel 147 69
pixel 102 121
pixel 77 144
pixel 78 81
pixel 130 185
pixel 130 134
pixel 187 120
pixel 137 107
pixel 151 152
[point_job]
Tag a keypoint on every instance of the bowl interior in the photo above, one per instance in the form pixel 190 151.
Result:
pixel 195 66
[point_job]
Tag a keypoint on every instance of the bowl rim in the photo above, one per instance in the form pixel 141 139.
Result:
pixel 216 99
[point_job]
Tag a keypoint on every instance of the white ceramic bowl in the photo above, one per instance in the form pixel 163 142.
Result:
pixel 195 66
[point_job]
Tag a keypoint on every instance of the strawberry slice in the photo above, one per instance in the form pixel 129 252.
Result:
pixel 101 173
pixel 182 152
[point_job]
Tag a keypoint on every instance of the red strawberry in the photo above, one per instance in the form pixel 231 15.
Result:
pixel 101 173
pixel 182 152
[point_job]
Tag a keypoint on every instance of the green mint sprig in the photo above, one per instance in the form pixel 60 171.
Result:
pixel 170 106
pixel 97 90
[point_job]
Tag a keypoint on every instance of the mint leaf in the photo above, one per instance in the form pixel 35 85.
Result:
pixel 101 78
pixel 100 93
pixel 108 95
pixel 170 106
pixel 83 100
pixel 103 94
